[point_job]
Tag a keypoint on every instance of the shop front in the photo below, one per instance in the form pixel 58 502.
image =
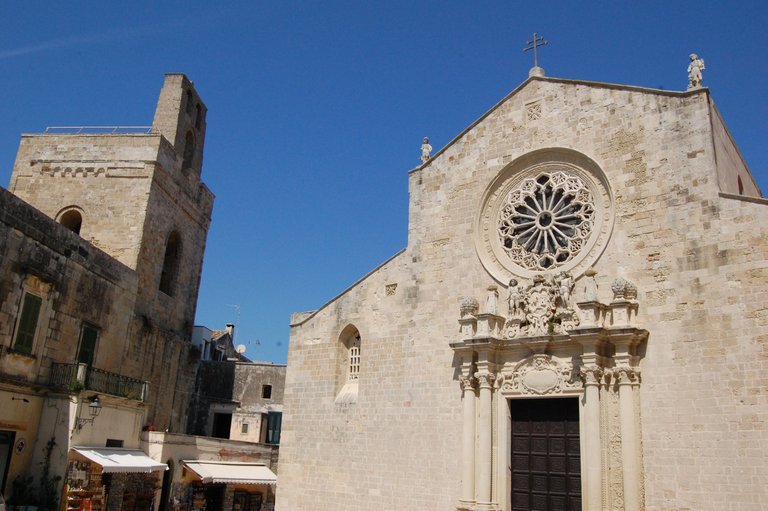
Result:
pixel 227 486
pixel 111 479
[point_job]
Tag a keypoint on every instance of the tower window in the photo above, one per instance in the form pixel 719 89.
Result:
pixel 740 185
pixel 190 101
pixel 170 263
pixel 72 220
pixel 199 117
pixel 189 151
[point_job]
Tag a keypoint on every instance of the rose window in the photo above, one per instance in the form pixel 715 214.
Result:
pixel 545 222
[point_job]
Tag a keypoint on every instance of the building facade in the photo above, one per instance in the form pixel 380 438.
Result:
pixel 103 236
pixel 577 322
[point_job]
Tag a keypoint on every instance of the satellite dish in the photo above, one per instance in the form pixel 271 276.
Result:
pixel 240 348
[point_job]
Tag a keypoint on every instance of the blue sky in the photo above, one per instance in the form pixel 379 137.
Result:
pixel 316 110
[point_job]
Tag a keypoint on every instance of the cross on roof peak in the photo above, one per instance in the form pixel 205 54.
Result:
pixel 534 44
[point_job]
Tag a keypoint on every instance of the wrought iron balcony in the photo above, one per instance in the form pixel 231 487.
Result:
pixel 77 377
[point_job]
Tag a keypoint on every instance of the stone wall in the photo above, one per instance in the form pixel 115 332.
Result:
pixel 699 262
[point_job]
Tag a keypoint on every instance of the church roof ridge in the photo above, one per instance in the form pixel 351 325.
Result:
pixel 571 81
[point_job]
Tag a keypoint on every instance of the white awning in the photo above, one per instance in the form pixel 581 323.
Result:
pixel 114 460
pixel 231 472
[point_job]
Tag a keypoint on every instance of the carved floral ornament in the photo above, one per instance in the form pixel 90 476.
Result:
pixel 548 211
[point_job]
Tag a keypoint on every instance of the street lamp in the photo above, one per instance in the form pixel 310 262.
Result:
pixel 94 409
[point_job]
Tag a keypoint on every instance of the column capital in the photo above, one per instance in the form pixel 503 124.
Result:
pixel 591 374
pixel 467 382
pixel 627 375
pixel 485 380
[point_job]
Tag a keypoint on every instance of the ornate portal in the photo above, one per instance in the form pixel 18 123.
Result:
pixel 548 345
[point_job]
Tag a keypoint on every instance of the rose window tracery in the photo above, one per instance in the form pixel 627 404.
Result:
pixel 546 221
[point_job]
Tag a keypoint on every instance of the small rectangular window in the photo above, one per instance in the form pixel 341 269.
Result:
pixel 114 442
pixel 266 391
pixel 25 333
pixel 244 429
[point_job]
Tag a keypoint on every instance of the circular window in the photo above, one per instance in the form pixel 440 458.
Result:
pixel 547 211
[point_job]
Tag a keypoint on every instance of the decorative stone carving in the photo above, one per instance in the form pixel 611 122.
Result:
pixel 485 380
pixel 515 300
pixel 426 150
pixel 627 375
pixel 592 375
pixel 468 319
pixel 467 382
pixel 590 286
pixel 618 287
pixel 694 71
pixel 491 303
pixel 468 307
pixel 547 220
pixel 549 210
pixel 539 374
pixel 542 308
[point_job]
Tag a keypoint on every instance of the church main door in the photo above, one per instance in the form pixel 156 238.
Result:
pixel 546 461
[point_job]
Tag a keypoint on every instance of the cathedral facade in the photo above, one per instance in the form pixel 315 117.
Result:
pixel 577 322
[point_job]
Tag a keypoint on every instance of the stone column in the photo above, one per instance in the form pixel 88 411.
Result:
pixel 592 447
pixel 627 377
pixel 484 441
pixel 467 497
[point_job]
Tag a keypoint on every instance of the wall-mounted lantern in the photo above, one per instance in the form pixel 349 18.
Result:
pixel 94 409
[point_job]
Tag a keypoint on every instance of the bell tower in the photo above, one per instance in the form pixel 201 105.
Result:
pixel 180 118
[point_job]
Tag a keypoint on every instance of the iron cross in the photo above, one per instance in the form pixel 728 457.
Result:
pixel 533 44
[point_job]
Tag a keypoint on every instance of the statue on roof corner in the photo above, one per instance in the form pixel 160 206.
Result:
pixel 426 149
pixel 694 71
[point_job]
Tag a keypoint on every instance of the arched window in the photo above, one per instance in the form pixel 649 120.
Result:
pixel 72 219
pixel 189 150
pixel 354 358
pixel 170 263
pixel 350 341
pixel 348 365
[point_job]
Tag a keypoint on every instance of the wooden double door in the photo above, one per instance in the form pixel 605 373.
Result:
pixel 546 455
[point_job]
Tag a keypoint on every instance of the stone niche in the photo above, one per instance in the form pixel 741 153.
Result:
pixel 547 347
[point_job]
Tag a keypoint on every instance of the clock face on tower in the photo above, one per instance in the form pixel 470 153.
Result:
pixel 550 210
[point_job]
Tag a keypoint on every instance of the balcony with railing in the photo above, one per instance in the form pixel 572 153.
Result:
pixel 77 377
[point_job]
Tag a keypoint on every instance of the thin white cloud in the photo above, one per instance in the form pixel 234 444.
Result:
pixel 110 35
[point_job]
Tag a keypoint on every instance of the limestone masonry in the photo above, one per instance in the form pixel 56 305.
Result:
pixel 578 321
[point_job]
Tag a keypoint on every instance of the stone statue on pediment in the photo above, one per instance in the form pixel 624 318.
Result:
pixel 694 71
pixel 426 150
